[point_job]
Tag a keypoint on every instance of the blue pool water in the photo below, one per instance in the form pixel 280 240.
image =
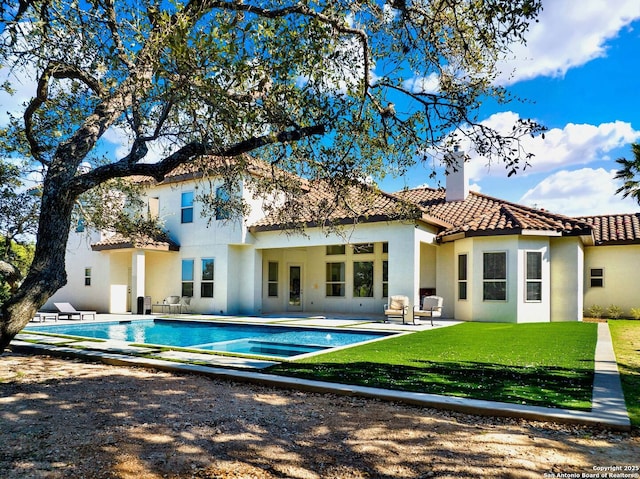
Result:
pixel 263 340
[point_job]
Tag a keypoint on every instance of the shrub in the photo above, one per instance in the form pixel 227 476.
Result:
pixel 615 312
pixel 635 313
pixel 595 311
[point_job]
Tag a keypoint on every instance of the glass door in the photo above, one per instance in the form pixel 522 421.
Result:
pixel 295 288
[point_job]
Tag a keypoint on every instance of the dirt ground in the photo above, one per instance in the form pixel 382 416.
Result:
pixel 62 418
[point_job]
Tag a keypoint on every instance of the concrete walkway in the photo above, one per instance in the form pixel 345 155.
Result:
pixel 608 406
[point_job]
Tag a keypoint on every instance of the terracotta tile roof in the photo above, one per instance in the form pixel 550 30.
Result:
pixel 212 164
pixel 483 215
pixel 615 229
pixel 320 205
pixel 118 241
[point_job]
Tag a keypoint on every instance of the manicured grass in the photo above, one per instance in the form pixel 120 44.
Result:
pixel 545 364
pixel 626 344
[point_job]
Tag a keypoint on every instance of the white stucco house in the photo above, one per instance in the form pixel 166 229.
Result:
pixel 491 260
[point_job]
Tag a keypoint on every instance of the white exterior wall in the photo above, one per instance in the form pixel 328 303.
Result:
pixel 404 271
pixel 621 287
pixel 567 263
pixel 533 311
pixel 79 256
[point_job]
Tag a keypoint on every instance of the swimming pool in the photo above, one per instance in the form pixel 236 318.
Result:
pixel 263 340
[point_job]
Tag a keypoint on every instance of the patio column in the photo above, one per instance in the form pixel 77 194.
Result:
pixel 404 265
pixel 137 277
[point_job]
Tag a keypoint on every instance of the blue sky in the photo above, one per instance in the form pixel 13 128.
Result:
pixel 580 77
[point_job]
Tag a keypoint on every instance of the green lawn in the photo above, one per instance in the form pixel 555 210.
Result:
pixel 626 343
pixel 545 364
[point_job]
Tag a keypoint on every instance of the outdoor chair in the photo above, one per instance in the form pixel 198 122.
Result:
pixel 42 316
pixel 68 311
pixel 398 307
pixel 431 308
pixel 185 304
pixel 173 303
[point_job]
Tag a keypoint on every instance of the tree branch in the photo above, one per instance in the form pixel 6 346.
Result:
pixel 128 165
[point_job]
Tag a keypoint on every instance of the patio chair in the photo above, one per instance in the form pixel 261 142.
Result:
pixel 173 303
pixel 398 307
pixel 185 304
pixel 68 311
pixel 431 308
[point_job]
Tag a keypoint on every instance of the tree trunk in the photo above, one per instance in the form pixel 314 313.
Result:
pixel 47 273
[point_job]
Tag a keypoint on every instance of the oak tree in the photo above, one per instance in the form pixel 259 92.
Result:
pixel 335 90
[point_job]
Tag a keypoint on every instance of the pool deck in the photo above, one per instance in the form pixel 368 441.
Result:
pixel 608 406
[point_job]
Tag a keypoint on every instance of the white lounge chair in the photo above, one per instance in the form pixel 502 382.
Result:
pixel 431 308
pixel 68 311
pixel 398 307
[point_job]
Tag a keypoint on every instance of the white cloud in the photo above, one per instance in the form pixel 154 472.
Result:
pixel 569 33
pixel 428 84
pixel 24 89
pixel 581 192
pixel 574 145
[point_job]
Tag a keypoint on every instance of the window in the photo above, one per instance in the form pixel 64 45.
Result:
pixel 597 277
pixel 206 283
pixel 272 279
pixel 462 276
pixel 222 197
pixel 186 207
pixel 335 249
pixel 187 277
pixel 87 276
pixel 335 279
pixel 363 279
pixel 534 276
pixel 80 226
pixel 365 248
pixel 385 247
pixel 385 279
pixel 494 277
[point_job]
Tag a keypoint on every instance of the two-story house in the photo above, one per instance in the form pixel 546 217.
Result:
pixel 491 260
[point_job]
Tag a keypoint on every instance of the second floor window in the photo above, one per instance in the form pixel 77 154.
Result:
pixel 222 198
pixel 186 207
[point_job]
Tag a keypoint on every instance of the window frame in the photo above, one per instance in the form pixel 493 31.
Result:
pixel 363 248
pixel 494 280
pixel 463 277
pixel 222 196
pixel 208 283
pixel 335 249
pixel 596 278
pixel 529 281
pixel 186 207
pixel 331 283
pixel 368 285
pixel 87 276
pixel 271 282
pixel 385 278
pixel 185 282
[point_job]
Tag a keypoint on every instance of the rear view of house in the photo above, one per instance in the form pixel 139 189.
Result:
pixel 491 260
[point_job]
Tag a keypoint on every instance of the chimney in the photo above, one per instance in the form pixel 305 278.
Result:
pixel 457 181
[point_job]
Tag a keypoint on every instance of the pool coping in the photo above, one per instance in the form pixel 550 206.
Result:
pixel 608 406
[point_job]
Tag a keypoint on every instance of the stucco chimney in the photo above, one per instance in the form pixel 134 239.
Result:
pixel 457 180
